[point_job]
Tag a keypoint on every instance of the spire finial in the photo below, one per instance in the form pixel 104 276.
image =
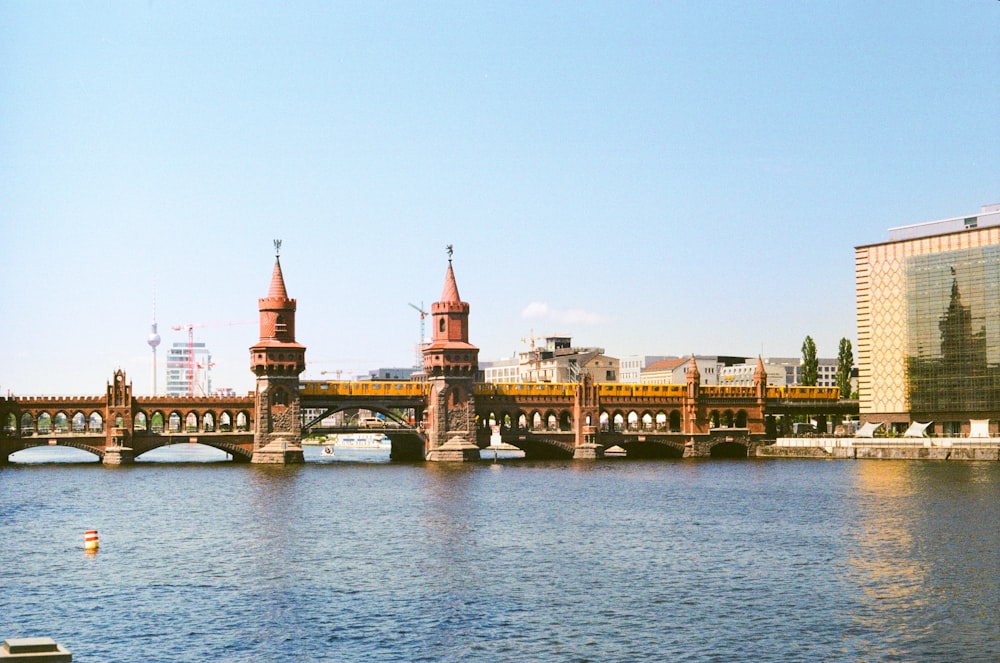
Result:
pixel 277 248
pixel 450 249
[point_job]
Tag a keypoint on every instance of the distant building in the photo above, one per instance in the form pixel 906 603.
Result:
pixel 742 375
pixel 674 370
pixel 502 370
pixel 929 324
pixel 189 373
pixel 393 373
pixel 791 369
pixel 631 367
pixel 554 360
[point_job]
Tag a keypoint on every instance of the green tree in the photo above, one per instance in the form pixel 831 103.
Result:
pixel 845 364
pixel 809 372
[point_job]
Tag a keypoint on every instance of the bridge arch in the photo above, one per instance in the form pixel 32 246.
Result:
pixel 675 421
pixel 741 419
pixel 78 422
pixel 174 422
pixel 60 422
pixel 43 425
pixel 157 422
pixel 646 421
pixel 27 423
pixel 96 421
pixel 208 422
pixel 140 422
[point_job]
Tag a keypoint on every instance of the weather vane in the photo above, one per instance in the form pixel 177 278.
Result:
pixel 277 247
pixel 450 249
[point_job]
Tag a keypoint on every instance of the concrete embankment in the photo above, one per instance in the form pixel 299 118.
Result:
pixel 847 448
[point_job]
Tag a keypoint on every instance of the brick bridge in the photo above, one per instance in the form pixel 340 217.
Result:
pixel 446 417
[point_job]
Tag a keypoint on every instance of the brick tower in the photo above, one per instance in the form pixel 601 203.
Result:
pixel 451 364
pixel 277 360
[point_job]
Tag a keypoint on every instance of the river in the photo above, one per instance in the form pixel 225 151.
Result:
pixel 354 558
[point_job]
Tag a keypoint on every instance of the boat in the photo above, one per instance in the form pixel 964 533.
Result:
pixel 363 441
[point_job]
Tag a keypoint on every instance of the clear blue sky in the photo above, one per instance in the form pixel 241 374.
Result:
pixel 652 178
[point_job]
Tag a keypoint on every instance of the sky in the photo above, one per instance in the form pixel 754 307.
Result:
pixel 653 178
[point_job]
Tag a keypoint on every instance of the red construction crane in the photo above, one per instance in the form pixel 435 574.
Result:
pixel 420 343
pixel 192 364
pixel 535 351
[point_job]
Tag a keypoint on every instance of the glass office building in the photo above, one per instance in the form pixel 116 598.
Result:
pixel 928 305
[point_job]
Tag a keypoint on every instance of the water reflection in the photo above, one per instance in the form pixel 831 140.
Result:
pixel 910 561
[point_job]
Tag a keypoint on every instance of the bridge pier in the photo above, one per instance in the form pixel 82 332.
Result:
pixel 117 455
pixel 589 448
pixel 279 452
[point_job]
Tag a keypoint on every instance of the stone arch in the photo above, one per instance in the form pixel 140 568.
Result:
pixel 208 422
pixel 522 421
pixel 225 421
pixel 551 421
pixel 78 423
pixel 157 423
pixel 96 422
pixel 675 421
pixel 536 420
pixel 60 422
pixel 27 423
pixel 191 422
pixel 44 423
pixel 10 422
pixel 174 422
pixel 633 420
pixel 660 421
pixel 605 422
pixel 140 422
pixel 727 419
pixel 119 421
pixel 618 422
pixel 741 419
pixel 243 421
pixel 646 421
pixel 565 420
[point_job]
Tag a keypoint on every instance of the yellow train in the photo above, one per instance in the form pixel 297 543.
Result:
pixel 367 388
pixel 565 390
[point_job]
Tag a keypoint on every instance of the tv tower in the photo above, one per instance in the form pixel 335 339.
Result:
pixel 154 340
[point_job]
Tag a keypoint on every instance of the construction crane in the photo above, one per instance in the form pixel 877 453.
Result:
pixel 420 343
pixel 190 362
pixel 535 351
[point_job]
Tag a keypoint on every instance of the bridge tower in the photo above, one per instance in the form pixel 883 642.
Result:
pixel 118 422
pixel 451 364
pixel 277 360
pixel 586 419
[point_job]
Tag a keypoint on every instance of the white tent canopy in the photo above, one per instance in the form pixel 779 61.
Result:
pixel 916 429
pixel 979 427
pixel 868 430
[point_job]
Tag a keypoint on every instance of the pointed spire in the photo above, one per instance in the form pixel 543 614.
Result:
pixel 277 289
pixel 692 370
pixel 450 293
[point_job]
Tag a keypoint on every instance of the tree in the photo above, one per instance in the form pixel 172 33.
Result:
pixel 809 373
pixel 845 364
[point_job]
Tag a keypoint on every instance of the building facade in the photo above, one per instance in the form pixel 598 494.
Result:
pixel 188 370
pixel 929 324
pixel 632 366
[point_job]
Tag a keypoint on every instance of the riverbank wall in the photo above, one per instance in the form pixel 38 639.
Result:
pixel 887 449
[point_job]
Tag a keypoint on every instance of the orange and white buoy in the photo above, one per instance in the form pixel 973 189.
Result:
pixel 90 542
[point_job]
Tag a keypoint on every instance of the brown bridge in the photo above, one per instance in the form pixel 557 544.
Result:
pixel 446 417
pixel 545 420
